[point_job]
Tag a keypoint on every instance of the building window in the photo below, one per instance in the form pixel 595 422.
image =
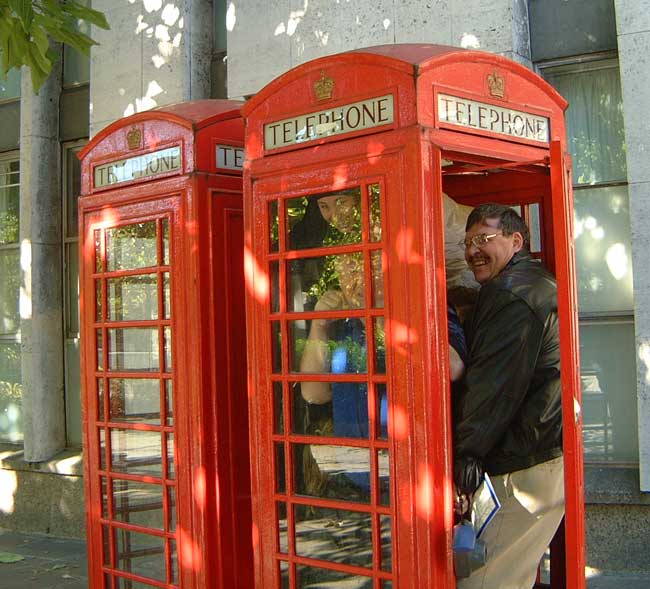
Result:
pixel 11 426
pixel 71 190
pixel 603 255
pixel 10 87
pixel 76 65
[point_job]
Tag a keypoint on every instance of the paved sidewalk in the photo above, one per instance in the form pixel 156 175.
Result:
pixel 43 562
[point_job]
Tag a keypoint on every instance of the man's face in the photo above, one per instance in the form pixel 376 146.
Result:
pixel 487 261
pixel 340 211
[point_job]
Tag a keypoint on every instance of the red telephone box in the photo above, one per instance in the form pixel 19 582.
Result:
pixel 366 501
pixel 164 358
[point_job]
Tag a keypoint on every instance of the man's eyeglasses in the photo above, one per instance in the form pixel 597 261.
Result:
pixel 478 240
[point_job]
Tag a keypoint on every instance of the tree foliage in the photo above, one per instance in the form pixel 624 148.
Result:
pixel 27 26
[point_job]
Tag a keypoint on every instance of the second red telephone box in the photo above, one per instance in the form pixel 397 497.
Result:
pixel 350 160
pixel 164 356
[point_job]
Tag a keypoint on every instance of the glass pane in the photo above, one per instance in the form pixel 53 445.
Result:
pixel 374 191
pixel 594 119
pixel 315 578
pixel 72 190
pixel 98 250
pixel 135 400
pixel 534 228
pixel 336 472
pixel 167 297
pixel 165 240
pixel 280 469
pixel 133 298
pixel 138 503
pixel 380 345
pixel 274 273
pixel 104 488
pixel 10 87
pixel 377 279
pixel 609 397
pixel 326 283
pixel 131 246
pixel 332 346
pixel 171 506
pixel 386 543
pixel 327 219
pixel 98 301
pixel 102 449
pixel 9 201
pixel 276 347
pixel 171 470
pixel 72 367
pixel 284 575
pixel 174 561
pixel 278 409
pixel 335 535
pixel 100 399
pixel 167 334
pixel 281 517
pixel 140 554
pixel 9 291
pixel 76 65
pixel 106 542
pixel 136 452
pixel 133 349
pixel 603 251
pixel 71 263
pixel 274 229
pixel 381 394
pixel 122 583
pixel 100 349
pixel 169 401
pixel 11 393
pixel 383 466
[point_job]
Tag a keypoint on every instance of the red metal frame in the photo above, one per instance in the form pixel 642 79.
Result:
pixel 201 205
pixel 407 161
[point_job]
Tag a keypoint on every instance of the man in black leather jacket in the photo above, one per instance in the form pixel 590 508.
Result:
pixel 508 418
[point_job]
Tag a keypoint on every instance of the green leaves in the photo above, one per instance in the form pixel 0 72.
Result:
pixel 27 26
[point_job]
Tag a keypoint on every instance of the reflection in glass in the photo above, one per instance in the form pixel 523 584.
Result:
pixel 386 539
pixel 131 246
pixel 603 250
pixel 280 468
pixel 165 241
pixel 167 334
pixel 335 346
pixel 377 279
pixel 284 575
pixel 324 220
pixel 135 400
pixel 136 452
pixel 102 449
pixel 335 535
pixel 133 298
pixel 10 282
pixel 174 561
pixel 104 488
pixel 535 228
pixel 122 583
pixel 375 212
pixel 133 349
pixel 281 517
pixel 336 472
pixel 274 229
pixel 106 543
pixel 140 554
pixel 138 503
pixel 315 578
pixel 100 349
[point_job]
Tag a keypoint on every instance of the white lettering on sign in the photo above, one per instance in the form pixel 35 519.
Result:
pixel 489 117
pixel 230 157
pixel 141 166
pixel 366 114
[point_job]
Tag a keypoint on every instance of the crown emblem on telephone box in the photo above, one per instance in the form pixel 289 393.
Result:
pixel 324 87
pixel 134 138
pixel 496 84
